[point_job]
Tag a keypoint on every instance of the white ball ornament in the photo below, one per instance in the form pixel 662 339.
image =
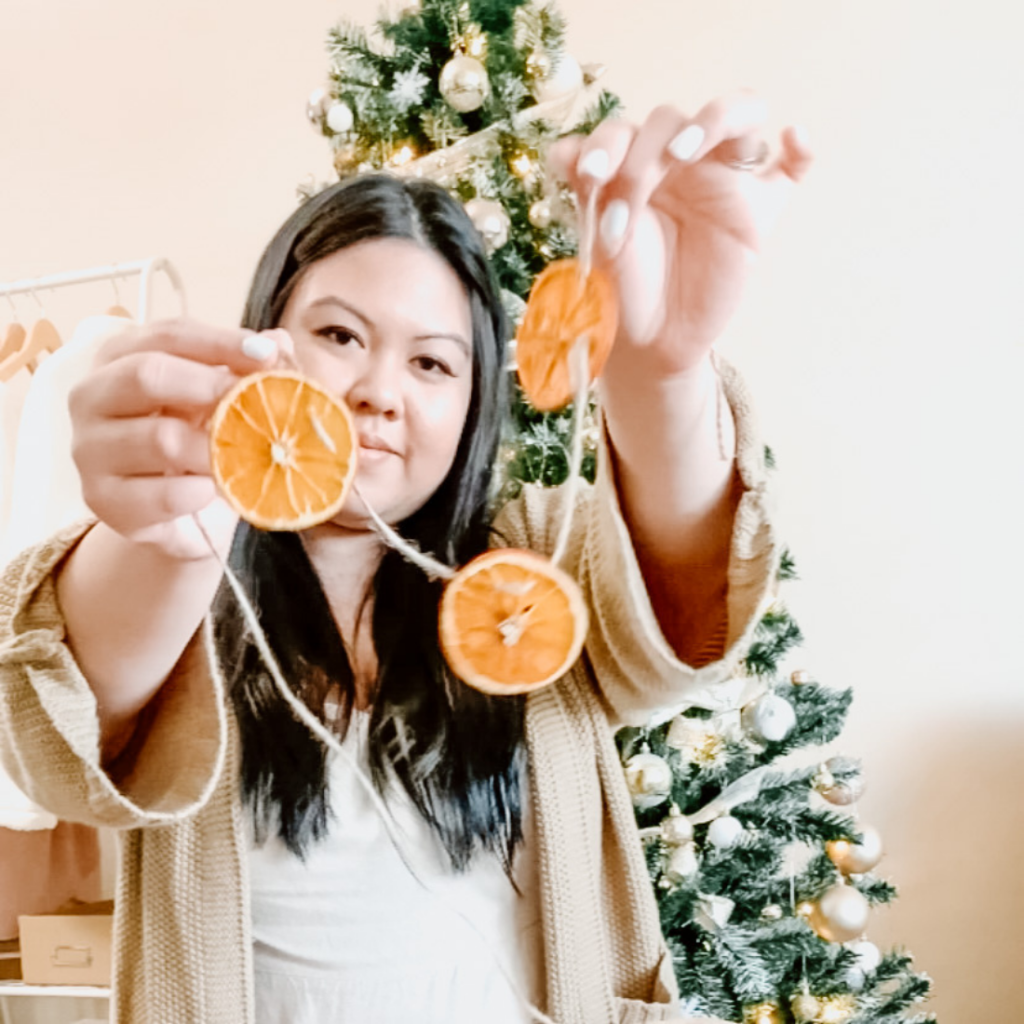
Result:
pixel 317 105
pixel 869 956
pixel 649 779
pixel 770 718
pixel 541 214
pixel 464 83
pixel 564 78
pixel 340 118
pixel 725 832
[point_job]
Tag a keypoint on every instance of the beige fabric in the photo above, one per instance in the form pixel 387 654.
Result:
pixel 183 943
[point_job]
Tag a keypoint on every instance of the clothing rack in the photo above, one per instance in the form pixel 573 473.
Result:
pixel 113 272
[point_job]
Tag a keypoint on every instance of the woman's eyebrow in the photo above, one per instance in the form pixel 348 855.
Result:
pixel 457 338
pixel 333 300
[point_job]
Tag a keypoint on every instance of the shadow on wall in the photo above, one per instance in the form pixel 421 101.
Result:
pixel 954 835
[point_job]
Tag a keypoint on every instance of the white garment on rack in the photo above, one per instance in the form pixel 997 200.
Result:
pixel 12 400
pixel 350 936
pixel 47 492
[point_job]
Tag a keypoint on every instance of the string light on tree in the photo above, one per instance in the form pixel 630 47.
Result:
pixel 340 118
pixel 763 1013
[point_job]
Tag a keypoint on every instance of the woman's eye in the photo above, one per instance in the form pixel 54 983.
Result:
pixel 432 365
pixel 339 335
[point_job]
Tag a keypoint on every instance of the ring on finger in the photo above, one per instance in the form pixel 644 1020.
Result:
pixel 748 163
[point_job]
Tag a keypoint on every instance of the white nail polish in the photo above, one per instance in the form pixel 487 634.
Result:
pixel 258 346
pixel 687 142
pixel 800 135
pixel 596 164
pixel 614 222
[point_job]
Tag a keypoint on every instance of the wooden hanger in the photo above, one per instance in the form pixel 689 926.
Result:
pixel 14 337
pixel 42 337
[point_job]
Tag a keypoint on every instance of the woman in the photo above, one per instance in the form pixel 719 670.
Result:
pixel 254 884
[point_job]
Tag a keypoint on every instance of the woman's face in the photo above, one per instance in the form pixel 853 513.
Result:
pixel 386 325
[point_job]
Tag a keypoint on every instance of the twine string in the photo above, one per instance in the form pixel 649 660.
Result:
pixel 304 715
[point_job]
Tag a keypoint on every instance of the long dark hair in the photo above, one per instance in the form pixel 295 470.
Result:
pixel 458 753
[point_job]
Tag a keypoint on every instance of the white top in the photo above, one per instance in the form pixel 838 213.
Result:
pixel 350 937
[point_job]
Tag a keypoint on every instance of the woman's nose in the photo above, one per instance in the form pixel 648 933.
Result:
pixel 375 390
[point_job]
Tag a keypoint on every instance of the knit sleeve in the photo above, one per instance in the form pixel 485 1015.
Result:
pixel 638 674
pixel 49 725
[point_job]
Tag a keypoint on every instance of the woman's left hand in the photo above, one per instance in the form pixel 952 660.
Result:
pixel 683 208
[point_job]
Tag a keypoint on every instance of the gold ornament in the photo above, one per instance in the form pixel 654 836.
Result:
pixel 840 915
pixel 347 159
pixel 773 912
pixel 856 858
pixel 649 779
pixel 491 220
pixel 836 1009
pixel 762 1013
pixel 799 677
pixel 541 214
pixel 805 909
pixel 805 1008
pixel 464 83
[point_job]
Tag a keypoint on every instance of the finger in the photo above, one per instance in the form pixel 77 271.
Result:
pixel 150 446
pixel 144 382
pixel 727 126
pixel 795 159
pixel 639 174
pixel 129 504
pixel 240 350
pixel 601 155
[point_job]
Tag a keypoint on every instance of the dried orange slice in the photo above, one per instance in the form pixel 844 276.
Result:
pixel 511 621
pixel 284 451
pixel 564 307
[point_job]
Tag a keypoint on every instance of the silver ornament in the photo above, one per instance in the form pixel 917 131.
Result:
pixel 541 214
pixel 340 118
pixel 800 677
pixel 856 858
pixel 317 105
pixel 676 829
pixel 491 220
pixel 649 779
pixel 725 832
pixel 770 718
pixel 464 83
pixel 855 979
pixel 847 785
pixel 841 914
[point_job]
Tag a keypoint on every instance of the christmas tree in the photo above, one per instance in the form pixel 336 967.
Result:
pixel 762 874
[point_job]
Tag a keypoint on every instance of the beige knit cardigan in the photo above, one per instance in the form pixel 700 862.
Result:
pixel 183 945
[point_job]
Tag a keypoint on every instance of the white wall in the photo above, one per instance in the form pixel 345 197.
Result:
pixel 882 336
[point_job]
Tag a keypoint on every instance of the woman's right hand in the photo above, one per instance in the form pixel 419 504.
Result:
pixel 140 435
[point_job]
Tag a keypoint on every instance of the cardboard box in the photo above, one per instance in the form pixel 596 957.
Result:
pixel 69 947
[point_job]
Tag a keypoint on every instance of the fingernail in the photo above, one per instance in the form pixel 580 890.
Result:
pixel 258 346
pixel 687 142
pixel 596 164
pixel 614 222
pixel 800 135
